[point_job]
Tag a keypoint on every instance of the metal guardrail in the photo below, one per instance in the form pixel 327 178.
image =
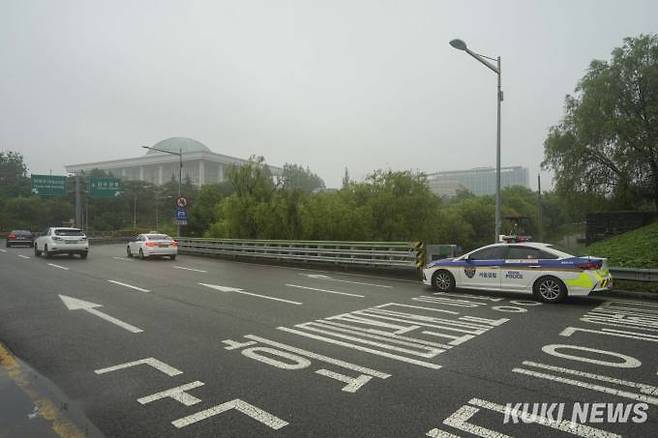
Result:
pixel 392 255
pixel 635 274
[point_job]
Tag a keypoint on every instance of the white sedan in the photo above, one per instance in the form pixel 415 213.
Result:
pixel 533 268
pixel 152 245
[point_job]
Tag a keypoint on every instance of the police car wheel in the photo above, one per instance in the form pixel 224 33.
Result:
pixel 443 281
pixel 550 290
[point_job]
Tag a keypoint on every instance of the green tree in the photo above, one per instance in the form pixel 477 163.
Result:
pixel 13 175
pixel 295 177
pixel 607 142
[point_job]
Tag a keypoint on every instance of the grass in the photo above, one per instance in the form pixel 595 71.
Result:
pixel 635 249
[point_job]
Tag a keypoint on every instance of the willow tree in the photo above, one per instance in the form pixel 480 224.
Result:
pixel 607 142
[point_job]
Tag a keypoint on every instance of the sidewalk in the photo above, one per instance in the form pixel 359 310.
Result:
pixel 29 406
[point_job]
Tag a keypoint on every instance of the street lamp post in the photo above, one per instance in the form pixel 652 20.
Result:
pixel 461 45
pixel 180 174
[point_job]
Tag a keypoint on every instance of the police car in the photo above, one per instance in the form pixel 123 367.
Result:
pixel 530 267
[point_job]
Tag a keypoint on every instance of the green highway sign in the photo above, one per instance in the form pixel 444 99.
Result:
pixel 103 187
pixel 48 185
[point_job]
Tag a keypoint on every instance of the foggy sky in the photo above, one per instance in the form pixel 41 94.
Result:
pixel 330 84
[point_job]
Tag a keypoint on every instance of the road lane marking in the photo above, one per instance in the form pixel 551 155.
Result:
pixel 272 421
pixel 3 250
pixel 58 266
pixel 328 278
pixel 23 256
pixel 240 291
pixel 360 348
pixel 325 290
pixel 129 286
pixel 77 304
pixel 189 269
pixel 125 259
pixel 150 361
pixel 178 393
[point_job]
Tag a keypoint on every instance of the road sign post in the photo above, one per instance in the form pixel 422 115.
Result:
pixel 48 185
pixel 104 187
pixel 181 216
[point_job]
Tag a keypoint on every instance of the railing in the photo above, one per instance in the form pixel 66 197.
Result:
pixel 635 274
pixel 392 255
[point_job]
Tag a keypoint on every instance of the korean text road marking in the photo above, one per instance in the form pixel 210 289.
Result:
pixel 324 290
pixel 180 394
pixel 592 386
pixel 625 314
pixel 23 256
pixel 58 266
pixel 612 332
pixel 287 357
pixel 460 420
pixel 411 334
pixel 271 421
pixel 190 269
pixel 150 361
pixel 240 291
pixel 128 286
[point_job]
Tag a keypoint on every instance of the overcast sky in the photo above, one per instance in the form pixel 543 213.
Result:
pixel 361 84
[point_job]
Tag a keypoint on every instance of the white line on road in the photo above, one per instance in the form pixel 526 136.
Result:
pixel 328 278
pixel 190 269
pixel 320 357
pixel 23 256
pixel 593 387
pixel 150 361
pixel 125 259
pixel 240 291
pixel 178 393
pixel 324 290
pixel 272 421
pixel 3 250
pixel 58 266
pixel 129 285
pixel 360 348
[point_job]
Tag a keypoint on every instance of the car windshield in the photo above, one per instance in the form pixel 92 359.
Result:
pixel 157 237
pixel 68 232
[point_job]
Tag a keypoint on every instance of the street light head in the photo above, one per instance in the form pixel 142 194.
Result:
pixel 146 147
pixel 458 44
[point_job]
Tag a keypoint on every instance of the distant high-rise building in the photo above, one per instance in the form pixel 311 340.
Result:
pixel 479 181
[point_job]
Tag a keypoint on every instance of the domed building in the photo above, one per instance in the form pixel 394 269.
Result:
pixel 200 164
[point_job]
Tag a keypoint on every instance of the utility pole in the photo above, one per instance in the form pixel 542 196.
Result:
pixel 78 203
pixel 539 210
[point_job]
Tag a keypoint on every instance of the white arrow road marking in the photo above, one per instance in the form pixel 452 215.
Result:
pixel 23 256
pixel 129 285
pixel 77 304
pixel 125 259
pixel 325 290
pixel 326 277
pixel 58 267
pixel 240 291
pixel 190 269
pixel 242 406
pixel 150 361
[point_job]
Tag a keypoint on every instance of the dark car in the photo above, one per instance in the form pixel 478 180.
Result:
pixel 20 237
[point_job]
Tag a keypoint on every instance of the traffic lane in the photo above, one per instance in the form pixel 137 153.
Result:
pixel 453 351
pixel 160 280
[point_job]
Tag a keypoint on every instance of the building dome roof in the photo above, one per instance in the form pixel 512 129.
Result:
pixel 176 144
